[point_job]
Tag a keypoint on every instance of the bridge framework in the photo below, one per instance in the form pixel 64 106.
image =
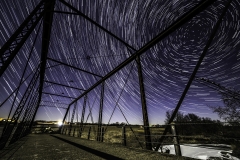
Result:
pixel 42 16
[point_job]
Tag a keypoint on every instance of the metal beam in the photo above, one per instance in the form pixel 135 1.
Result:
pixel 95 23
pixel 144 106
pixel 82 117
pixel 212 35
pixel 54 102
pixel 51 106
pixel 10 49
pixel 30 117
pixel 25 68
pixel 24 118
pixel 100 114
pixel 218 87
pixel 36 106
pixel 64 85
pixel 47 26
pixel 18 86
pixel 27 126
pixel 52 66
pixel 57 95
pixel 205 81
pixel 72 118
pixel 8 130
pixel 65 64
pixel 183 19
pixel 63 12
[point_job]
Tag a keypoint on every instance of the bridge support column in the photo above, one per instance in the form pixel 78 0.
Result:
pixel 82 118
pixel 175 140
pixel 99 130
pixel 144 106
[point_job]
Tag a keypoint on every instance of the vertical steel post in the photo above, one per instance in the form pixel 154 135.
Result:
pixel 65 116
pixel 71 122
pixel 124 142
pixel 74 132
pixel 46 34
pixel 89 132
pixel 144 106
pixel 175 140
pixel 61 128
pixel 102 134
pixel 100 114
pixel 83 114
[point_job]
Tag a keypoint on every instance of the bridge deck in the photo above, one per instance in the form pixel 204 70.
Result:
pixel 61 147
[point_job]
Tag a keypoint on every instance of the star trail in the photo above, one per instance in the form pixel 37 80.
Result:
pixel 89 39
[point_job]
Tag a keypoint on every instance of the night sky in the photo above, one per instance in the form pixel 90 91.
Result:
pixel 166 67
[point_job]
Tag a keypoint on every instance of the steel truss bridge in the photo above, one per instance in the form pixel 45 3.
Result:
pixel 65 53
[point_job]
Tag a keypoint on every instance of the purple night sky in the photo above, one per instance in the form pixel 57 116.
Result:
pixel 167 66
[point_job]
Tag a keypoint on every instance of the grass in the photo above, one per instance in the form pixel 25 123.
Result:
pixel 113 134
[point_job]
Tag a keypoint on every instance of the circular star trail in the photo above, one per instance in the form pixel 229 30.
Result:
pixel 81 53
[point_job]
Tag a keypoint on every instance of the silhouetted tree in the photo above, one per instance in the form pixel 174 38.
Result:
pixel 190 129
pixel 122 124
pixel 192 118
pixel 230 112
pixel 178 118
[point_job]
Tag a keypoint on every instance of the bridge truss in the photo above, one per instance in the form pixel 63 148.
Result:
pixel 111 57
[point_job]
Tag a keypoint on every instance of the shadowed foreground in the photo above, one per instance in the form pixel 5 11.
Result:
pixel 44 146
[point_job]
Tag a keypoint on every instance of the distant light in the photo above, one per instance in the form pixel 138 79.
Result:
pixel 59 123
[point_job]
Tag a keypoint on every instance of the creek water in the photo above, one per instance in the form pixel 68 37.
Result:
pixel 203 151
